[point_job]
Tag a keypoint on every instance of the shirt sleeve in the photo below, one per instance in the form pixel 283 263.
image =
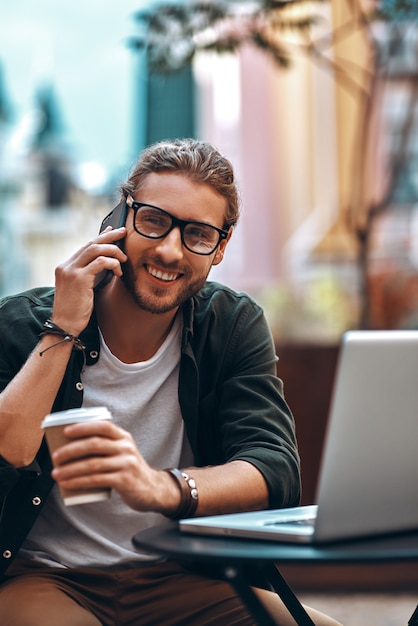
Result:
pixel 242 411
pixel 256 422
pixel 21 318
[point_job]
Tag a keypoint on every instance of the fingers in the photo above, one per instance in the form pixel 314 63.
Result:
pixel 75 278
pixel 104 428
pixel 95 256
pixel 96 438
pixel 101 454
pixel 93 449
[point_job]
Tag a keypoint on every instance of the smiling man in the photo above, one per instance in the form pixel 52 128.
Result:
pixel 188 370
pixel 167 239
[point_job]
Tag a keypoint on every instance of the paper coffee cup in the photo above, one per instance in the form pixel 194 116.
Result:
pixel 54 425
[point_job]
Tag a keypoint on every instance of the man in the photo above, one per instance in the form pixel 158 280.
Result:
pixel 187 369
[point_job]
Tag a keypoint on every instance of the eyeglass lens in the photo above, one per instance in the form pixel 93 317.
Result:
pixel 155 223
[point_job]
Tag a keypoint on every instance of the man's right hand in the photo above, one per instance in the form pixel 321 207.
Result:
pixel 74 279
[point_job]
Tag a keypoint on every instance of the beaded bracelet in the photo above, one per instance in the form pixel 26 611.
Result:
pixel 189 494
pixel 49 328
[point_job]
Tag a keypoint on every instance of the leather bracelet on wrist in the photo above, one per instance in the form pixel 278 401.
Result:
pixel 49 328
pixel 189 494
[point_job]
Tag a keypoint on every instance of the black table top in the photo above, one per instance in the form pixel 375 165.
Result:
pixel 169 541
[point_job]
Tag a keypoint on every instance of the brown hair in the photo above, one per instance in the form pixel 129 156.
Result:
pixel 198 160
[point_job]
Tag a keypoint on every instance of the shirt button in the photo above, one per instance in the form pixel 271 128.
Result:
pixel 36 501
pixel 7 554
pixel 94 354
pixel 79 386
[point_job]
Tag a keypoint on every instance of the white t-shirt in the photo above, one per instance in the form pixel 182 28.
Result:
pixel 143 399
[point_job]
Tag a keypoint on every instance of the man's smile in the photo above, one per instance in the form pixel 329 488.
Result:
pixel 162 275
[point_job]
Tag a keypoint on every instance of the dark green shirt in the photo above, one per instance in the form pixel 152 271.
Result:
pixel 230 397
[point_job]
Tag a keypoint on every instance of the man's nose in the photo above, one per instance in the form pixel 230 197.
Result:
pixel 170 247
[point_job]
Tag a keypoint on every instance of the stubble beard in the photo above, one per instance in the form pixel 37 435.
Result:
pixel 158 302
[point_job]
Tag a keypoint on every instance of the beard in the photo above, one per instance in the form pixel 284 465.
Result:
pixel 158 300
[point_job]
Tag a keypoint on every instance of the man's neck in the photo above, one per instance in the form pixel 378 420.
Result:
pixel 132 334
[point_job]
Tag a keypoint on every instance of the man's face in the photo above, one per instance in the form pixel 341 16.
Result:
pixel 161 274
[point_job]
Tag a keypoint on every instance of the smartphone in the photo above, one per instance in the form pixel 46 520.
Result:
pixel 115 219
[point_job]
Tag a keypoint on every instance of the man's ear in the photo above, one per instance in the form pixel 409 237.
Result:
pixel 220 250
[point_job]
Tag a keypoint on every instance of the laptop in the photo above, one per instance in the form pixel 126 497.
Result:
pixel 369 469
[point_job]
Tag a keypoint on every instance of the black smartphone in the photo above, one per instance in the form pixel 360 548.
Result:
pixel 115 219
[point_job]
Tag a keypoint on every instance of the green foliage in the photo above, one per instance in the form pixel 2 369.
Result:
pixel 175 32
pixel 279 54
pixel 319 308
pixel 398 10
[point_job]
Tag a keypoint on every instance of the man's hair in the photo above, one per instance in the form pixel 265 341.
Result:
pixel 198 160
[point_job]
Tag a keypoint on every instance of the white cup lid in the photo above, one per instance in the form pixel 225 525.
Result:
pixel 81 414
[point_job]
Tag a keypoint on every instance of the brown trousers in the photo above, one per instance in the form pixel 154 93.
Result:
pixel 161 594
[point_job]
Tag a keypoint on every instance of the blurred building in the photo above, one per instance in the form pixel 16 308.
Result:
pixel 314 166
pixel 291 137
pixel 44 216
pixel 279 129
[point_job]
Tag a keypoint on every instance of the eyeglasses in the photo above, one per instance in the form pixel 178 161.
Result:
pixel 155 223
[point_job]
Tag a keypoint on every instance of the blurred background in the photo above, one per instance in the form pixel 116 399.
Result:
pixel 314 102
pixel 66 112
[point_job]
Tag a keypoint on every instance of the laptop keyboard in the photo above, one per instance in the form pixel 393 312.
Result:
pixel 307 521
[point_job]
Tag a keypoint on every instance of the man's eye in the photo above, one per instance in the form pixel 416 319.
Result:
pixel 199 233
pixel 152 219
pixel 149 219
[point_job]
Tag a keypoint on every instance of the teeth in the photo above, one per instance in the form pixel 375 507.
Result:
pixel 161 275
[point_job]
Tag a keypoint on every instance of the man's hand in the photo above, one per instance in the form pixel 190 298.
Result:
pixel 101 454
pixel 74 279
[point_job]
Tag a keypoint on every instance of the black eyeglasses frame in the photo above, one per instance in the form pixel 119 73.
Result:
pixel 175 222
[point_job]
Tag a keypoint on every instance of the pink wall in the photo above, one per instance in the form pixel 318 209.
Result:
pixel 254 255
